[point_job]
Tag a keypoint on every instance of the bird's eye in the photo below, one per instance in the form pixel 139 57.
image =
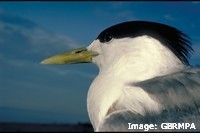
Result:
pixel 106 37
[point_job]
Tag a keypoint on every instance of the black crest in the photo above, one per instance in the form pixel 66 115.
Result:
pixel 172 38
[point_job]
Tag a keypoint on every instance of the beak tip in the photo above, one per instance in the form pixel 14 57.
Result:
pixel 44 62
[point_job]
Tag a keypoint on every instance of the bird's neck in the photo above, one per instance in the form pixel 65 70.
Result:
pixel 107 88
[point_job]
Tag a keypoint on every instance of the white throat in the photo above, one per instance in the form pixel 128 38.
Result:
pixel 124 61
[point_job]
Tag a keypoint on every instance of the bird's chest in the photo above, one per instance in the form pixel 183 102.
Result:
pixel 103 93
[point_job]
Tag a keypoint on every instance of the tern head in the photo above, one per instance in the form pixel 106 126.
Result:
pixel 145 44
pixel 126 53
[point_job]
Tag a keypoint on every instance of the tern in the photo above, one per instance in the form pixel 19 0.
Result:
pixel 144 78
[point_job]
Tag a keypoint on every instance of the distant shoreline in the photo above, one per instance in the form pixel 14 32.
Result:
pixel 39 127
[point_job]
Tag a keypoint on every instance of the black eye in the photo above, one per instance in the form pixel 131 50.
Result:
pixel 106 37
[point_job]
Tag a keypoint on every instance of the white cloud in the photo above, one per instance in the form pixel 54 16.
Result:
pixel 117 5
pixel 125 15
pixel 45 43
pixel 195 2
pixel 38 40
pixel 169 17
pixel 128 15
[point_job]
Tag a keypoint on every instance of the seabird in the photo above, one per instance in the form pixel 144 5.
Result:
pixel 144 78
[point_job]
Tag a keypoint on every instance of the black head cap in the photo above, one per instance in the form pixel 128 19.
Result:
pixel 172 38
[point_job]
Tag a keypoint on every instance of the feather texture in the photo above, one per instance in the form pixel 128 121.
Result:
pixel 178 93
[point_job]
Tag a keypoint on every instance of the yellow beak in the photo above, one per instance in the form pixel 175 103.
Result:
pixel 80 55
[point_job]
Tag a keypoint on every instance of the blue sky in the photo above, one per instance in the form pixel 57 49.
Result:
pixel 32 31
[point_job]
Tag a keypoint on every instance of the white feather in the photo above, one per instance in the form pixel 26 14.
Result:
pixel 124 61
